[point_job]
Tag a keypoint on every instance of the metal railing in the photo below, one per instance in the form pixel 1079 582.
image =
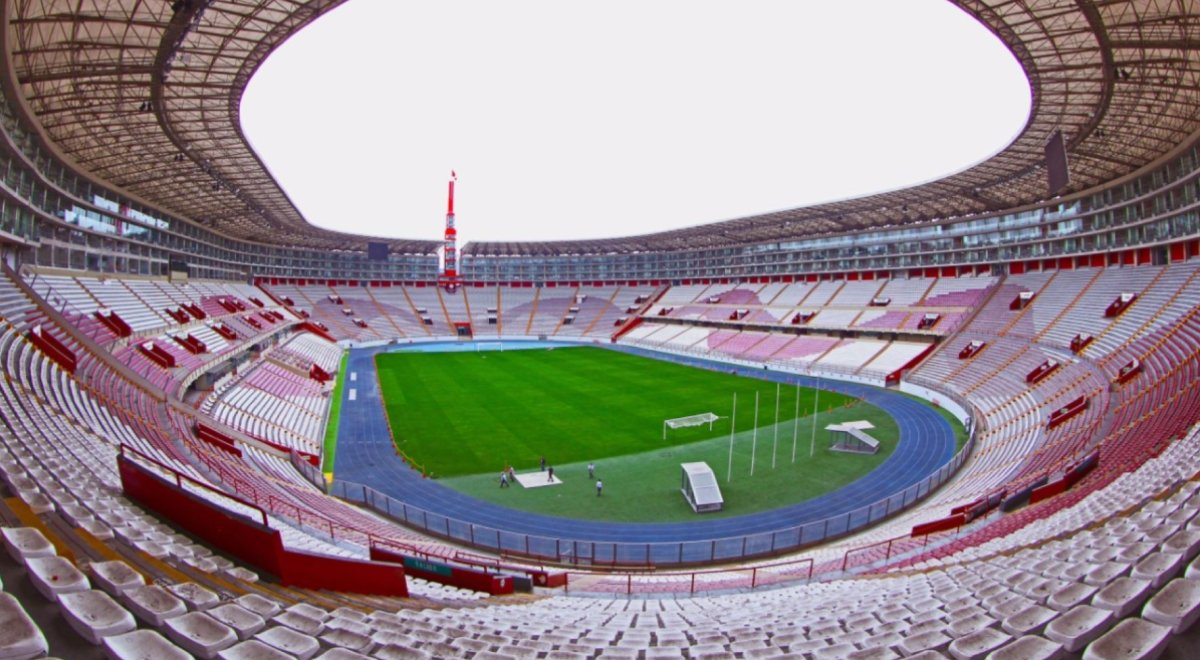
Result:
pixel 620 554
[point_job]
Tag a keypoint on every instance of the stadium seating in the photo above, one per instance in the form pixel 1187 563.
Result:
pixel 835 304
pixel 1144 507
pixel 987 599
pixel 1071 531
pixel 417 312
pixel 276 404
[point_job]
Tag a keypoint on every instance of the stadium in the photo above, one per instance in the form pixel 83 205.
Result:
pixel 226 430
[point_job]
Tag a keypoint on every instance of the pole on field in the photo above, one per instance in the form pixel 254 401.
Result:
pixel 732 426
pixel 812 445
pixel 754 436
pixel 796 422
pixel 775 442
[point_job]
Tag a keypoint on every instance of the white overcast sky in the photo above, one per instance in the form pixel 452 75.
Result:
pixel 593 119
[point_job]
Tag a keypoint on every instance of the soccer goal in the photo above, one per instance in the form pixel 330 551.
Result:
pixel 690 420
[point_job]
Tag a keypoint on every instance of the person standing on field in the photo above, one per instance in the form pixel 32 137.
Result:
pixel 599 487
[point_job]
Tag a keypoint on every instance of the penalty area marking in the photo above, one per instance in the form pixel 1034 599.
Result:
pixel 536 480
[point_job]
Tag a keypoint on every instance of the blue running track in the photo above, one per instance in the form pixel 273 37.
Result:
pixel 365 455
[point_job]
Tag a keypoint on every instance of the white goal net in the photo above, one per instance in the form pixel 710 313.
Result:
pixel 690 420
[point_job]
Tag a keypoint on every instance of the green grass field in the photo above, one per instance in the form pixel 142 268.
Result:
pixel 464 416
pixel 335 414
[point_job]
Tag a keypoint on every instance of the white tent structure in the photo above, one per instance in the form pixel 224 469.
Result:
pixel 852 438
pixel 700 488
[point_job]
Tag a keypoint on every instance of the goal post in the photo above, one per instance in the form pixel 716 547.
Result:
pixel 690 420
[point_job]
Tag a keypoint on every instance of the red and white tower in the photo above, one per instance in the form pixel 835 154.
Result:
pixel 449 277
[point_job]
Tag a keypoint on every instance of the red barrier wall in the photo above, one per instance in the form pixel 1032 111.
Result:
pixel 1042 370
pixel 225 331
pixel 256 544
pixel 633 323
pixel 301 569
pixel 1068 411
pixel 318 331
pixel 250 541
pixel 1118 306
pixel 1129 371
pixel 950 522
pixel 441 573
pixel 969 351
pixel 190 344
pixel 157 354
pixel 217 439
pixel 178 314
pixel 113 322
pixel 894 377
pixel 963 508
pixel 1049 490
pixel 53 348
pixel 195 311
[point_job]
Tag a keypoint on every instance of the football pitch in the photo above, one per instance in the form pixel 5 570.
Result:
pixel 464 416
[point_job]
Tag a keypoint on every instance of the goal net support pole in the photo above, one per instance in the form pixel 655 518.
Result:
pixel 754 435
pixel 732 426
pixel 812 443
pixel 775 442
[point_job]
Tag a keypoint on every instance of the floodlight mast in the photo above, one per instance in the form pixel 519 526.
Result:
pixel 449 277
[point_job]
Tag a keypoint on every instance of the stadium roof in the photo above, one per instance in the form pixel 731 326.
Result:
pixel 144 96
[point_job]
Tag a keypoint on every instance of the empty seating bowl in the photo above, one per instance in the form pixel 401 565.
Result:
pixel 115 577
pixel 1029 621
pixel 1177 605
pixel 244 622
pixel 1123 595
pixel 95 615
pixel 55 575
pixel 977 644
pixel 338 653
pixel 153 604
pixel 19 635
pixel 1029 648
pixel 200 634
pixel 260 605
pixel 256 650
pixel 1130 639
pixel 289 641
pixel 299 622
pixel 194 596
pixel 142 644
pixel 1078 626
pixel 25 542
